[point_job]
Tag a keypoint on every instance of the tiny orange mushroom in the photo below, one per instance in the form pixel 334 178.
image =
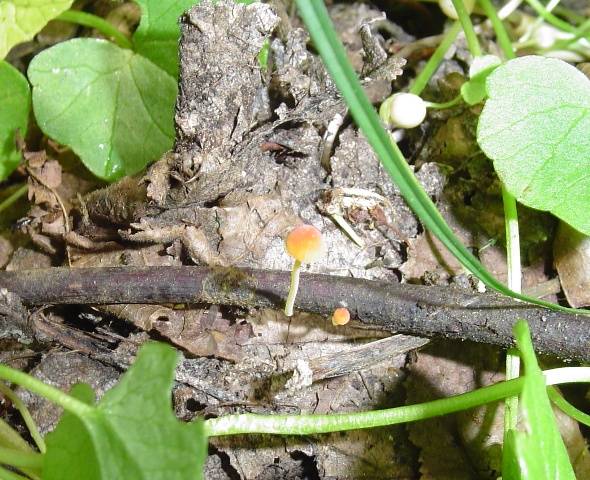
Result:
pixel 304 243
pixel 341 316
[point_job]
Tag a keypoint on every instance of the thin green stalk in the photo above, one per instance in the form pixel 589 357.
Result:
pixel 512 241
pixel 100 24
pixel 13 197
pixel 16 458
pixel 442 106
pixel 549 17
pixel 512 234
pixel 53 394
pixel 316 18
pixel 314 424
pixel 8 475
pixel 582 32
pixel 470 36
pixel 25 414
pixel 499 29
pixel 10 438
pixel 434 61
pixel 514 283
pixel 573 17
pixel 511 403
pixel 567 408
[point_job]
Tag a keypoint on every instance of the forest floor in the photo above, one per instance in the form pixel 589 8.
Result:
pixel 255 154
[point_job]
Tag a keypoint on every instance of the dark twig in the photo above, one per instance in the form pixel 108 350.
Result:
pixel 412 309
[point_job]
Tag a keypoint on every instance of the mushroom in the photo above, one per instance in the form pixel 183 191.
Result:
pixel 304 243
pixel 341 316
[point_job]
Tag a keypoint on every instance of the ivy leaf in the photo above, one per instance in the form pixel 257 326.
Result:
pixel 113 107
pixel 20 20
pixel 132 433
pixel 535 126
pixel 158 33
pixel 538 452
pixel 15 103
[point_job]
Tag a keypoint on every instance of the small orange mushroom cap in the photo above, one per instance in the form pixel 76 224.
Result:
pixel 341 316
pixel 304 243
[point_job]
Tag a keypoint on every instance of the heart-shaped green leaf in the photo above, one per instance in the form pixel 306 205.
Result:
pixel 157 35
pixel 535 126
pixel 113 107
pixel 20 20
pixel 15 103
pixel 132 433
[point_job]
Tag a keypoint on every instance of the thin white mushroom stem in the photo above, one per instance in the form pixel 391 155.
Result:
pixel 293 288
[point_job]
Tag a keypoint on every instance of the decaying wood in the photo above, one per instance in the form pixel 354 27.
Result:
pixel 413 309
pixel 363 356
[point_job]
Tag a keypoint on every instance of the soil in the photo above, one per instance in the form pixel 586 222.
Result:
pixel 258 151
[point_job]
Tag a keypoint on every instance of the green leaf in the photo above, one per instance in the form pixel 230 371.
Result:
pixel 20 20
pixel 474 90
pixel 15 103
pixel 132 433
pixel 158 33
pixel 113 107
pixel 538 452
pixel 535 126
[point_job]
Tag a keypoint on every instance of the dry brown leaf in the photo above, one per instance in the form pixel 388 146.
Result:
pixel 27 259
pixel 571 250
pixel 5 251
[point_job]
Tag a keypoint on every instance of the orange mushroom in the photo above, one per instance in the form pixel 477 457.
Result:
pixel 341 316
pixel 304 243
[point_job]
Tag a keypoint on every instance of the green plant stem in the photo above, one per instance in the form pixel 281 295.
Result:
pixel 512 233
pixel 16 458
pixel 10 438
pixel 442 106
pixel 499 29
pixel 100 24
pixel 53 394
pixel 514 283
pixel 316 18
pixel 8 475
pixel 465 20
pixel 582 32
pixel 13 197
pixel 24 411
pixel 567 408
pixel 511 403
pixel 573 17
pixel 314 424
pixel 293 287
pixel 434 61
pixel 549 17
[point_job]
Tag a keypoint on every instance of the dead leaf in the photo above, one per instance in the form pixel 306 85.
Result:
pixel 27 259
pixel 5 251
pixel 572 261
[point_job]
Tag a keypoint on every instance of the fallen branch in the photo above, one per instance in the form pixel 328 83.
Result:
pixel 412 309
